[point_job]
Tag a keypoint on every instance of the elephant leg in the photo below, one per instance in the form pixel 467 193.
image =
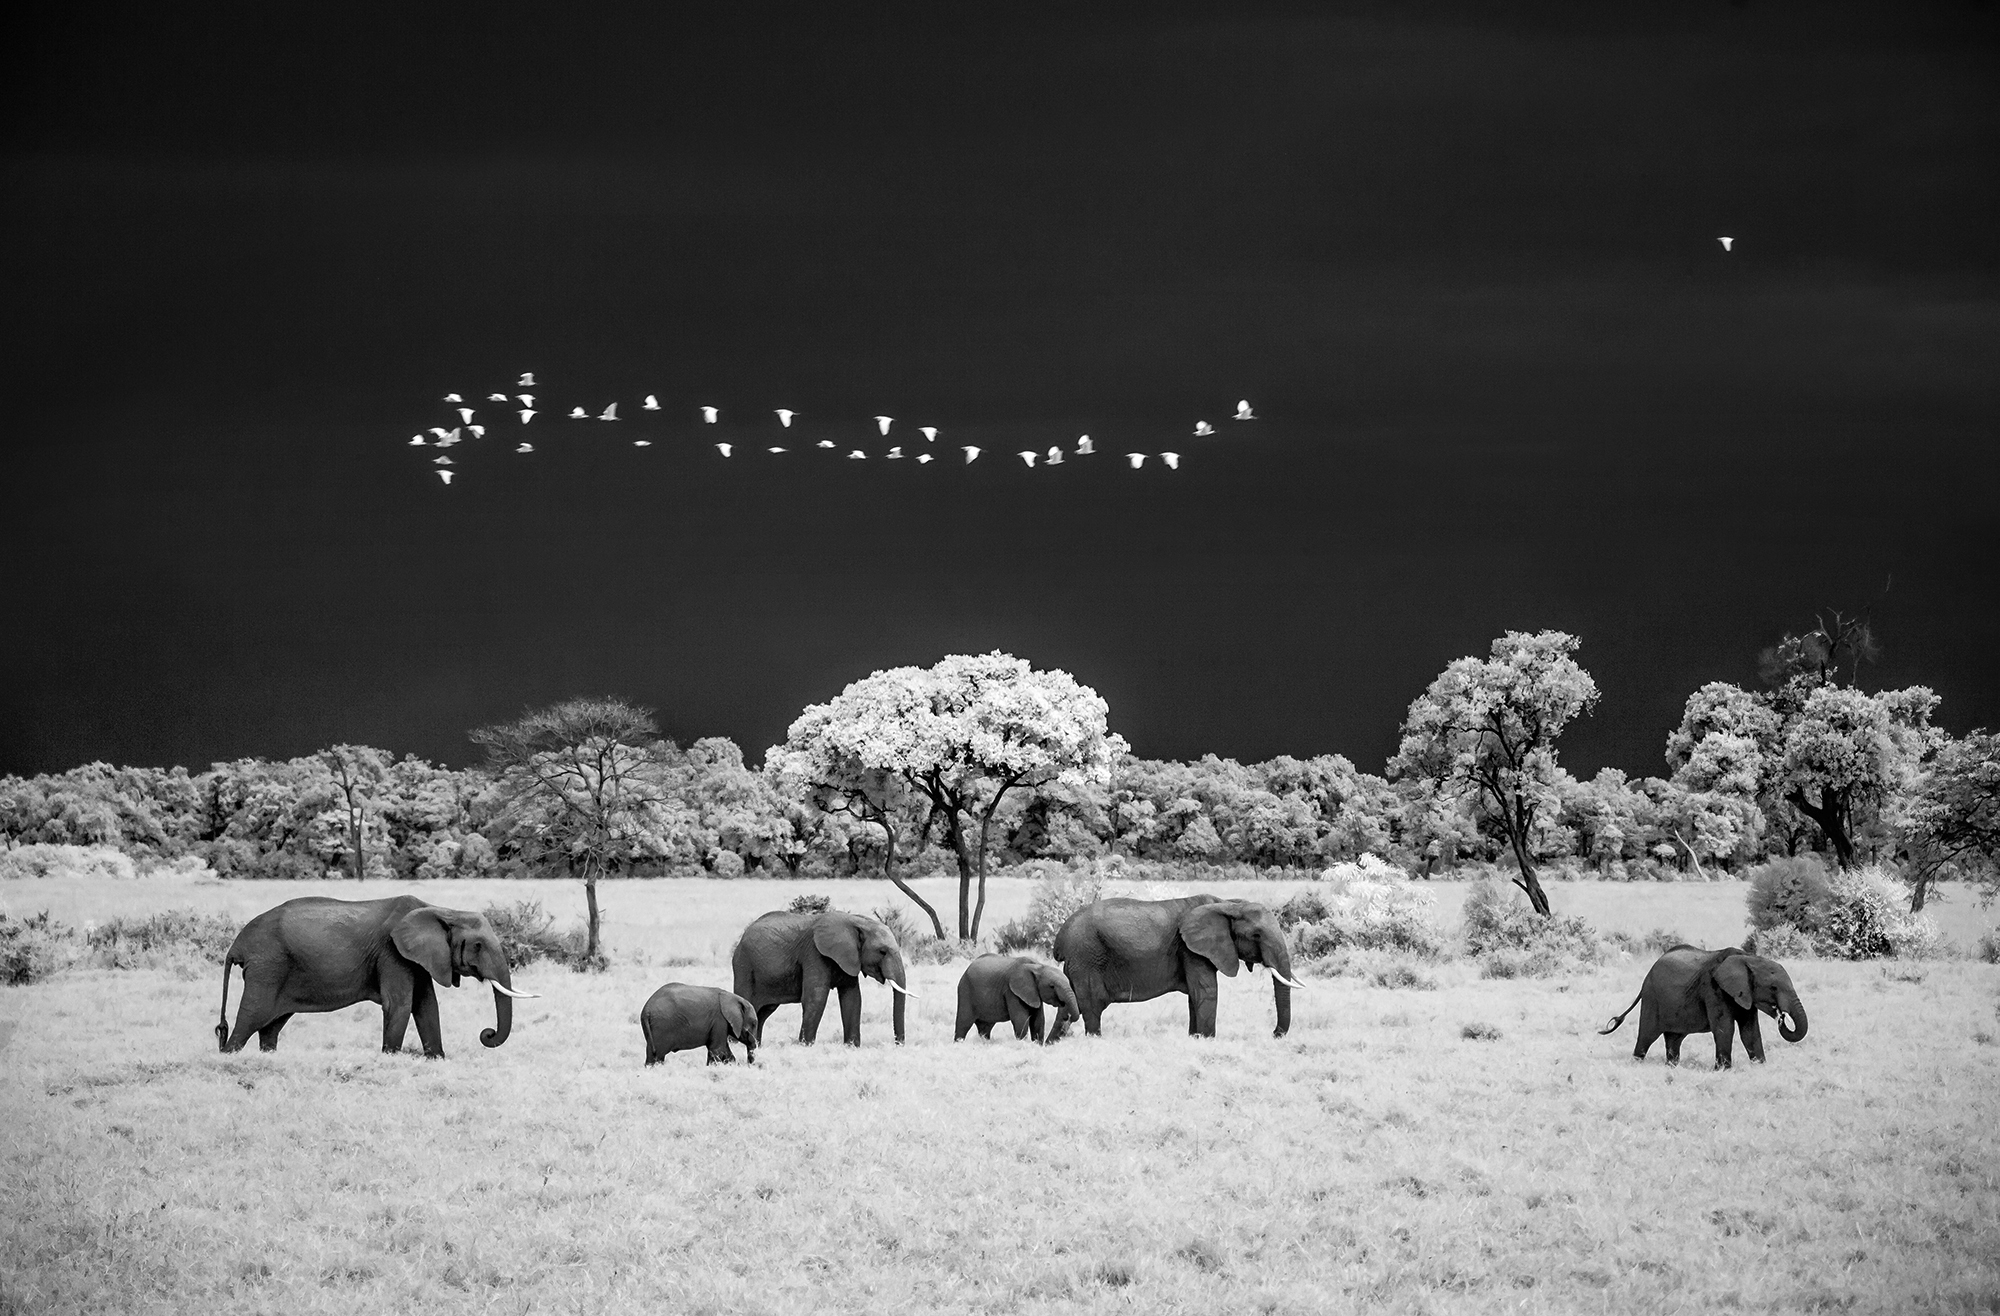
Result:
pixel 718 1044
pixel 397 997
pixel 850 1014
pixel 764 1012
pixel 985 1027
pixel 1725 1040
pixel 1017 1014
pixel 1674 1047
pixel 1035 1025
pixel 812 1004
pixel 1194 1014
pixel 258 1008
pixel 267 1036
pixel 1753 1036
pixel 965 1019
pixel 1649 1032
pixel 1201 1010
pixel 424 1009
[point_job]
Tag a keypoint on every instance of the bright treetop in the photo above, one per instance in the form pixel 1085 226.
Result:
pixel 951 741
pixel 1486 730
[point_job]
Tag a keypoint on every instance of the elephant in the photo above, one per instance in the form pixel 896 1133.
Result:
pixel 680 1018
pixel 1134 950
pixel 315 954
pixel 1691 990
pixel 786 957
pixel 1011 988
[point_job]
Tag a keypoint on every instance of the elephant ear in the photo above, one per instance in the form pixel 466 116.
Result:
pixel 839 939
pixel 1206 930
pixel 1021 981
pixel 420 938
pixel 1733 976
pixel 742 1017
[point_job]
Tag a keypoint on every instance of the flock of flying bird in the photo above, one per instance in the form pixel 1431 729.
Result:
pixel 523 405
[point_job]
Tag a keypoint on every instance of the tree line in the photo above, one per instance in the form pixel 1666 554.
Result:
pixel 983 761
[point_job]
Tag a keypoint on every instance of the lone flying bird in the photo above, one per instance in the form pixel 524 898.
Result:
pixel 453 397
pixel 923 457
pixel 445 476
pixel 825 443
pixel 526 415
pixel 496 397
pixel 1203 427
pixel 1137 459
pixel 610 412
pixel 929 432
pixel 642 443
pixel 1243 411
pixel 466 412
pixel 478 431
pixel 525 399
pixel 857 454
pixel 1054 458
pixel 441 461
pixel 785 417
pixel 651 404
pixel 579 414
pixel 883 422
pixel 416 440
pixel 708 414
pixel 971 453
pixel 895 452
pixel 1172 459
pixel 1084 447
pixel 525 381
pixel 722 448
pixel 1725 242
pixel 526 447
pixel 1027 457
pixel 774 450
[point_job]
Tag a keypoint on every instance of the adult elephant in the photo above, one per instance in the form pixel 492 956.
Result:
pixel 1013 989
pixel 315 954
pixel 1134 950
pixel 680 1017
pixel 787 958
pixel 1690 990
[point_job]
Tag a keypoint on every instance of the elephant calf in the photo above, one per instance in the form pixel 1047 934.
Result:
pixel 680 1018
pixel 1013 989
pixel 1690 990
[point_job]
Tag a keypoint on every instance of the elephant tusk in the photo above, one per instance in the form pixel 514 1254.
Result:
pixel 895 986
pixel 1299 986
pixel 509 991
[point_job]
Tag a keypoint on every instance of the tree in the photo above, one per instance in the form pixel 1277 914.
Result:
pixel 1845 749
pixel 584 780
pixel 1951 821
pixel 961 735
pixel 1486 730
pixel 358 774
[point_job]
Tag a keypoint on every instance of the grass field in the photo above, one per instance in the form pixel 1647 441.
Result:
pixel 1375 1159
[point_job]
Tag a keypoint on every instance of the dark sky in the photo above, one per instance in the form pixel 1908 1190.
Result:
pixel 1462 257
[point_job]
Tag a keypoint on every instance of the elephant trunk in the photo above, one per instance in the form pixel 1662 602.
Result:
pixel 1281 987
pixel 1794 1012
pixel 900 992
pixel 503 1012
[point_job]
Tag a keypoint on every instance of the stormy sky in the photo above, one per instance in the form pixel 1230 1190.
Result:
pixel 1463 259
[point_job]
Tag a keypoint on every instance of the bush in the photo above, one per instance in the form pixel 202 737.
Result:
pixel 1368 868
pixel 65 861
pixel 130 943
pixel 1781 941
pixel 1659 939
pixel 1989 947
pixel 1403 975
pixel 1364 914
pixel 1480 1033
pixel 32 949
pixel 527 934
pixel 918 945
pixel 810 904
pixel 1512 941
pixel 1795 891
pixel 1059 893
pixel 1856 926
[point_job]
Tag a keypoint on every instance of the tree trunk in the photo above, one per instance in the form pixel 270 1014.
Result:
pixel 979 910
pixel 1527 880
pixel 889 871
pixel 1830 816
pixel 355 821
pixel 590 955
pixel 956 834
pixel 1919 889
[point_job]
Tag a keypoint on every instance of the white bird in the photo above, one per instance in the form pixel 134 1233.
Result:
pixel 478 431
pixel 448 439
pixel 496 397
pixel 526 447
pixel 416 440
pixel 441 461
pixel 1137 459
pixel 883 422
pixel 825 443
pixel 929 432
pixel 1172 459
pixel 1083 446
pixel 1725 242
pixel 1054 458
pixel 466 413
pixel 445 476
pixel 610 412
pixel 1243 411
pixel 579 414
pixel 440 431
pixel 857 455
pixel 971 453
pixel 453 397
pixel 708 414
pixel 526 415
pixel 1027 457
pixel 785 417
pixel 525 399
pixel 895 452
pixel 525 381
pixel 642 443
pixel 923 457
pixel 722 448
pixel 1203 427
pixel 651 404
pixel 774 450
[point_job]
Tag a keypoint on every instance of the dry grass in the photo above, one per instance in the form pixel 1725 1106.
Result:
pixel 1377 1158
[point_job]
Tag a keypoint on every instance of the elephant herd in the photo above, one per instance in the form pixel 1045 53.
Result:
pixel 316 954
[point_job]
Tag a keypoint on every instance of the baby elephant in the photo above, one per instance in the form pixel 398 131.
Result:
pixel 1007 987
pixel 680 1018
pixel 1690 990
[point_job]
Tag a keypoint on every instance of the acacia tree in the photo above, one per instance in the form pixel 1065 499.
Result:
pixel 358 773
pixel 1486 731
pixel 584 781
pixel 1951 821
pixel 961 736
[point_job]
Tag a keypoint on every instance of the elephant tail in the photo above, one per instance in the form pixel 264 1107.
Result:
pixel 222 1022
pixel 1619 1018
